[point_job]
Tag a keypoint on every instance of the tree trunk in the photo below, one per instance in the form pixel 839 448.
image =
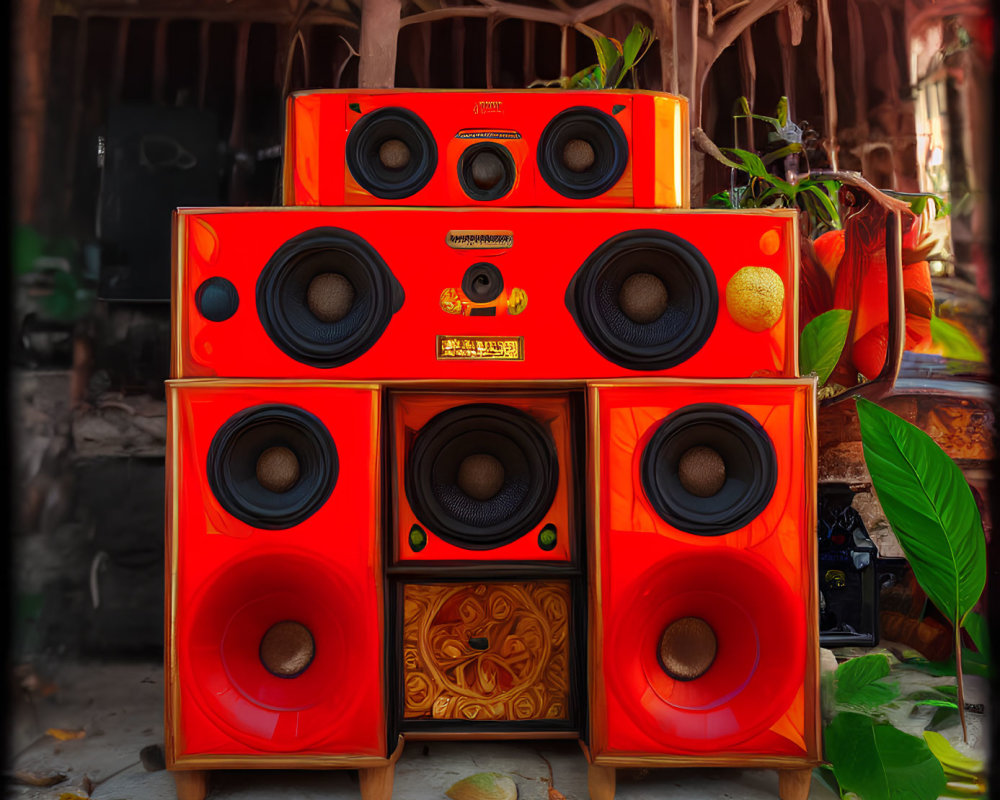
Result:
pixel 379 32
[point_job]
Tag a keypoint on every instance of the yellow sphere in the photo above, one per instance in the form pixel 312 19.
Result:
pixel 755 297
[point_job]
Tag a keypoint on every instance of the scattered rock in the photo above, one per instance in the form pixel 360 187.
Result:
pixel 152 758
pixel 37 778
pixel 484 786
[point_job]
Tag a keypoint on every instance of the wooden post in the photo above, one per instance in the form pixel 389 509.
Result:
pixel 600 782
pixel 793 784
pixel 376 782
pixel 32 43
pixel 379 33
pixel 191 784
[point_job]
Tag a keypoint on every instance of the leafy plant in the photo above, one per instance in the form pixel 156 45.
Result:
pixel 930 507
pixel 615 61
pixel 815 197
pixel 870 757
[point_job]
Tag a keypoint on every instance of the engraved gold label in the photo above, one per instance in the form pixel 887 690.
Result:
pixel 479 240
pixel 480 348
pixel 488 107
pixel 487 135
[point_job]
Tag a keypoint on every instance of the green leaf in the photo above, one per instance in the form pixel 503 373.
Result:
pixel 27 246
pixel 859 682
pixel 977 627
pixel 944 718
pixel 633 42
pixel 954 342
pixel 831 212
pixel 781 152
pixel 720 200
pixel 879 762
pixel 607 57
pixel 938 703
pixel 930 507
pixel 584 77
pixel 822 341
pixel 749 162
pixel 956 765
pixel 783 111
pixel 918 202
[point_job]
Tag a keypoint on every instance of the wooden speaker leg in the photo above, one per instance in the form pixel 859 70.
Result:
pixel 601 782
pixel 191 784
pixel 376 782
pixel 793 784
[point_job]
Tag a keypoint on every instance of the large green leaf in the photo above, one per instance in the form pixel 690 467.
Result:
pixel 879 762
pixel 821 343
pixel 930 507
pixel 860 682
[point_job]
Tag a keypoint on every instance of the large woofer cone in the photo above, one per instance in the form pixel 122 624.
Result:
pixel 620 271
pixel 326 296
pixel 486 171
pixel 272 466
pixel 391 153
pixel 582 152
pixel 481 475
pixel 681 473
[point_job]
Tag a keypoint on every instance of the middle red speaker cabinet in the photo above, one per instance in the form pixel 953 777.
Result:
pixel 474 294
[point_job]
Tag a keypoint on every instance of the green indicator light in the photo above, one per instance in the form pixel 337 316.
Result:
pixel 547 537
pixel 418 539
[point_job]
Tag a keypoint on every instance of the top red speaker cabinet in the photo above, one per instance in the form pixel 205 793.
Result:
pixel 541 148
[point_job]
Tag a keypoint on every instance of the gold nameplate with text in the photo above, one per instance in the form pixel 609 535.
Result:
pixel 479 240
pixel 480 348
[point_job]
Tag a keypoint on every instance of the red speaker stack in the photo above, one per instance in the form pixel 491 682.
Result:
pixel 485 434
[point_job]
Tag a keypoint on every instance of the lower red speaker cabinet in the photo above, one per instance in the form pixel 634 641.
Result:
pixel 301 632
pixel 703 606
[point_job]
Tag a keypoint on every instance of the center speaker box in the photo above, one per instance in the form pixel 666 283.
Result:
pixel 610 149
pixel 501 295
pixel 485 564
pixel 704 612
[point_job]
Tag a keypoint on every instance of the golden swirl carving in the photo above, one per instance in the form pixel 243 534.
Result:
pixel 486 651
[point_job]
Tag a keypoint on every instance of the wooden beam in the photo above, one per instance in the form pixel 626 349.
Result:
pixel 504 10
pixel 214 10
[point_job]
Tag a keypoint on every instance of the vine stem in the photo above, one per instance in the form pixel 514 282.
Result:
pixel 958 674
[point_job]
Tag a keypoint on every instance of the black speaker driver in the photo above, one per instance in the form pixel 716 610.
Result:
pixel 516 440
pixel 235 454
pixel 676 334
pixel 391 153
pixel 486 171
pixel 597 134
pixel 283 297
pixel 482 282
pixel 751 469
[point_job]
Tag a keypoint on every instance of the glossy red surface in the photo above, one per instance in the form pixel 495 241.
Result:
pixel 231 582
pixel 655 126
pixel 548 248
pixel 411 411
pixel 755 587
